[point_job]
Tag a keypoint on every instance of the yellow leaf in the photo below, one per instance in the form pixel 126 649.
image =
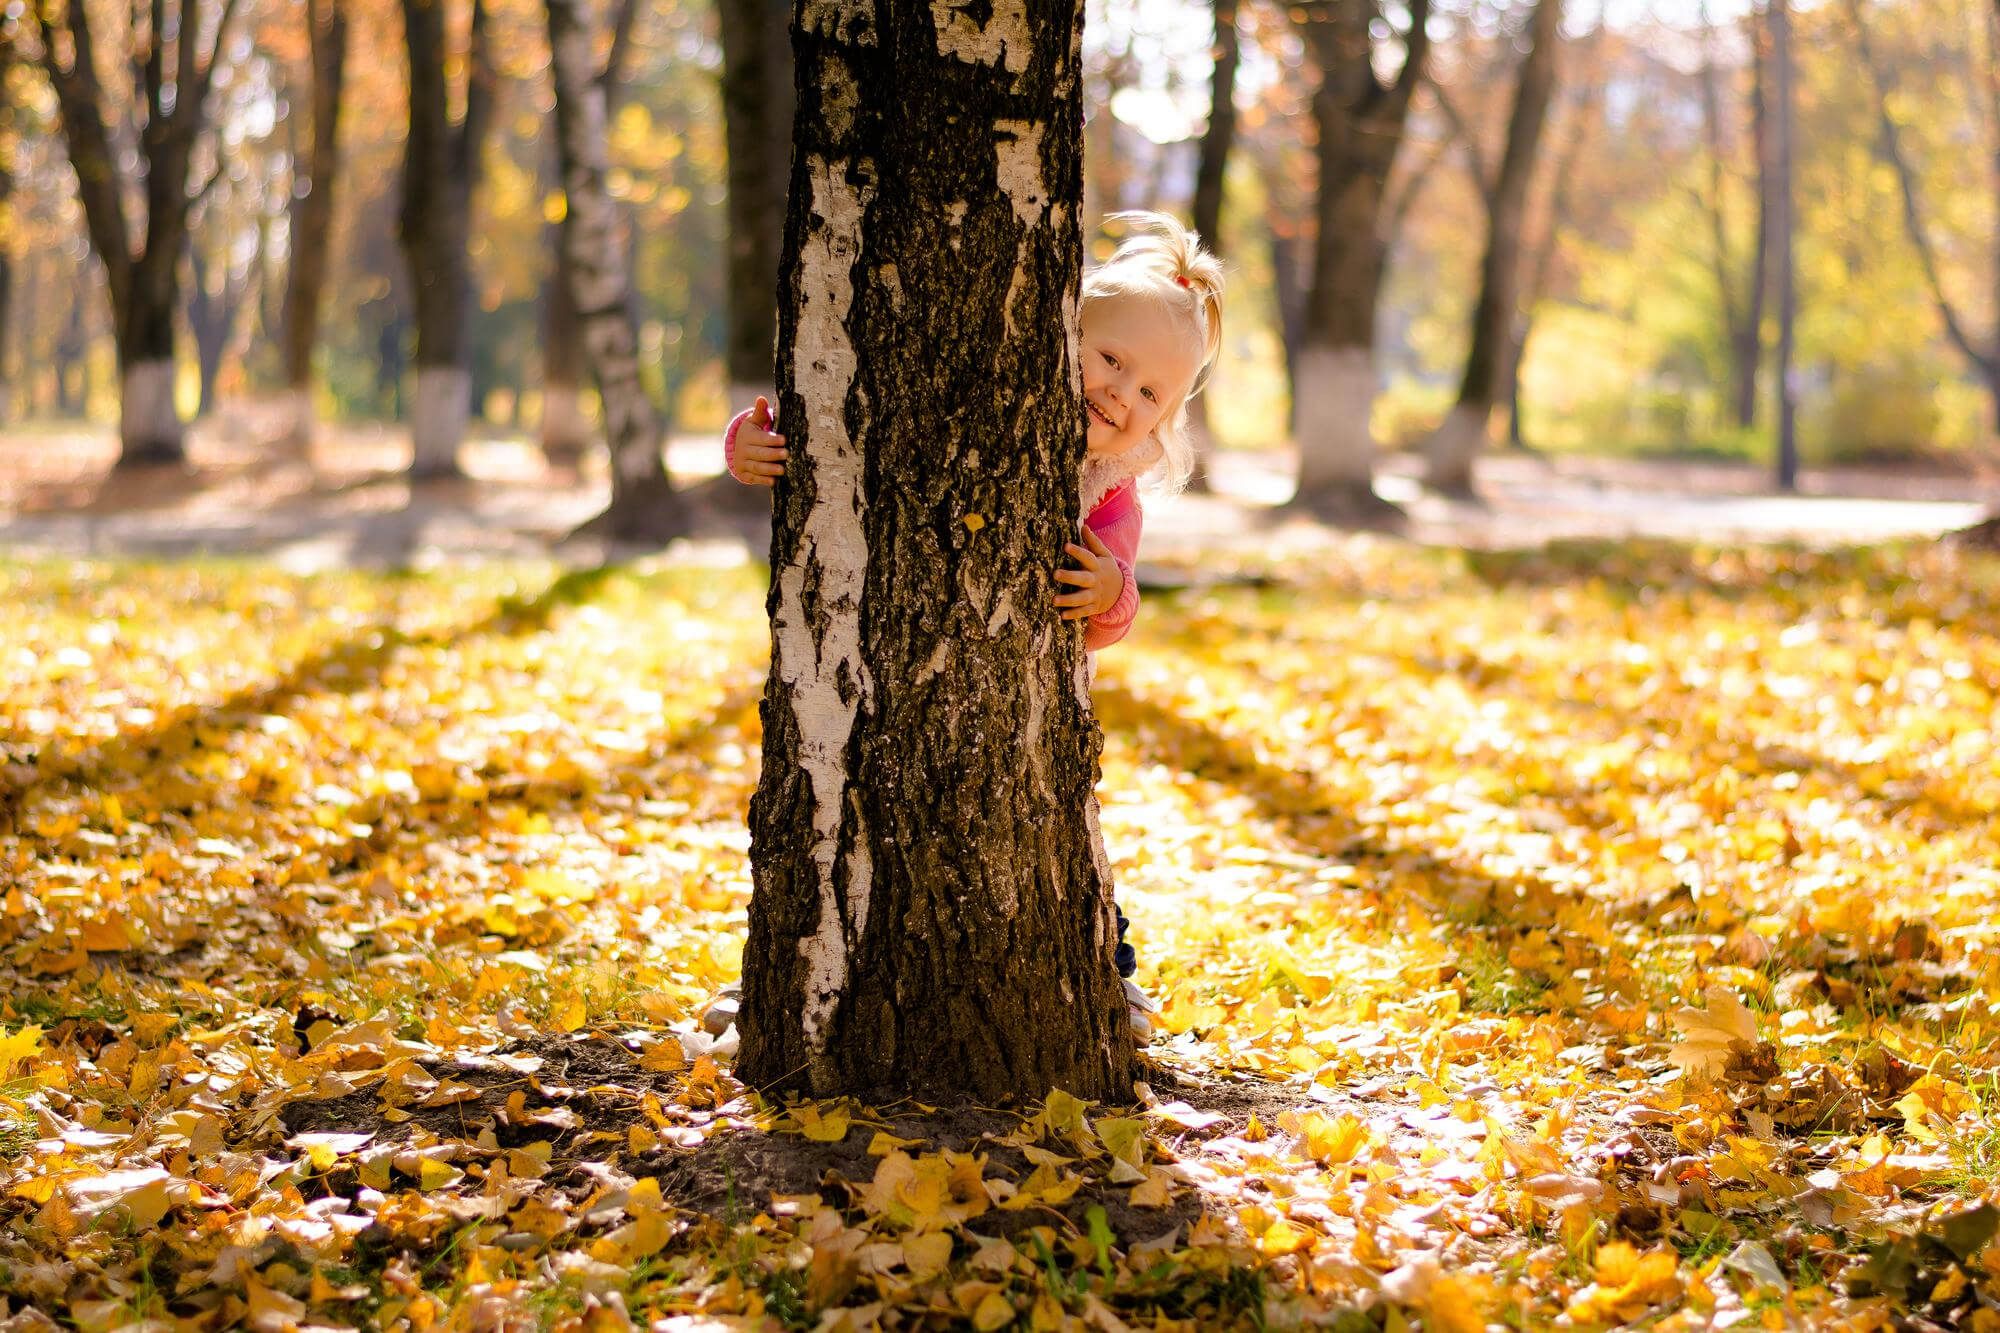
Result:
pixel 1338 1139
pixel 571 1015
pixel 435 1175
pixel 974 522
pixel 831 1127
pixel 885 1143
pixel 995 1312
pixel 18 1047
pixel 1157 1192
pixel 1712 1033
pixel 926 1255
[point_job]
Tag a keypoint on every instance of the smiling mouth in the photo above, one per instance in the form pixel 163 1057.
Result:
pixel 1098 412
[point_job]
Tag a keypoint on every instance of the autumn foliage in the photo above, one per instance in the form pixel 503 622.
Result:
pixel 1584 937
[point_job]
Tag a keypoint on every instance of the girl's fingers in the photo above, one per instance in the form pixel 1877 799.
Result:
pixel 1078 576
pixel 1083 556
pixel 760 413
pixel 1075 598
pixel 1096 542
pixel 763 453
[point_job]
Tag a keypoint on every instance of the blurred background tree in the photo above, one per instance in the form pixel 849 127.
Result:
pixel 1642 315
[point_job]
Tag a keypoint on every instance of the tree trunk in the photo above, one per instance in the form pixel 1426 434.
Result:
pixel 757 101
pixel 566 431
pixel 1360 122
pixel 1210 169
pixel 1781 235
pixel 644 506
pixel 312 212
pixel 144 281
pixel 212 318
pixel 932 912
pixel 1748 353
pixel 72 349
pixel 9 140
pixel 1452 448
pixel 439 166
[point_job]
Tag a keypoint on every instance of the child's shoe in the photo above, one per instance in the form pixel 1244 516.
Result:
pixel 1139 1008
pixel 720 1015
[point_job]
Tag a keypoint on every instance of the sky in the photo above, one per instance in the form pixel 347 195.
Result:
pixel 1169 40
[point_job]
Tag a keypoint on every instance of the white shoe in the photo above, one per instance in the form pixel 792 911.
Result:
pixel 720 1015
pixel 1139 1008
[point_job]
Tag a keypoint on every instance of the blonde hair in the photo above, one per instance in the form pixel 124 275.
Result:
pixel 1164 260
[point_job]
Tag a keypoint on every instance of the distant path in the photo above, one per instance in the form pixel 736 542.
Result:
pixel 355 510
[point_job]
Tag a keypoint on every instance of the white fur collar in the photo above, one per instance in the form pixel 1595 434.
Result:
pixel 1101 476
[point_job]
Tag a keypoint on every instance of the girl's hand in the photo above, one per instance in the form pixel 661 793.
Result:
pixel 1098 582
pixel 758 457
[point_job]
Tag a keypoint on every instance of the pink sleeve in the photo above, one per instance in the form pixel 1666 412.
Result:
pixel 729 438
pixel 1120 535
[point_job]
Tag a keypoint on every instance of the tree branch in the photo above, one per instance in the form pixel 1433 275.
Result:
pixel 479 86
pixel 1892 148
pixel 98 183
pixel 1416 54
pixel 1476 160
pixel 612 79
pixel 206 78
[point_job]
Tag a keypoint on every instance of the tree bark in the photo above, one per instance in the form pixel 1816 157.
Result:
pixel 1748 351
pixel 932 912
pixel 440 171
pixel 1210 169
pixel 312 211
pixel 1452 448
pixel 644 506
pixel 212 313
pixel 9 139
pixel 145 279
pixel 566 431
pixel 757 102
pixel 1360 120
pixel 1781 228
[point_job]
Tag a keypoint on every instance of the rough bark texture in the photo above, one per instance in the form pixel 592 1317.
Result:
pixel 1450 452
pixel 440 168
pixel 1749 350
pixel 598 267
pixel 932 912
pixel 1360 122
pixel 757 102
pixel 312 209
pixel 144 279
pixel 1210 169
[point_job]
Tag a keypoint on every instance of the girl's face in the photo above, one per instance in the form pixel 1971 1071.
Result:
pixel 1136 360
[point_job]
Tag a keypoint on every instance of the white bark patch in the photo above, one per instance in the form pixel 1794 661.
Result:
pixel 1331 402
pixel 844 20
pixel 1017 144
pixel 1003 39
pixel 823 669
pixel 954 216
pixel 438 417
pixel 1003 611
pixel 146 403
pixel 1452 447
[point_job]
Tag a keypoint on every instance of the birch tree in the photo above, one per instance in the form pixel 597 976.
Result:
pixel 597 268
pixel 932 907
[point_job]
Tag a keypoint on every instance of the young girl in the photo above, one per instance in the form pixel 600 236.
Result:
pixel 1152 323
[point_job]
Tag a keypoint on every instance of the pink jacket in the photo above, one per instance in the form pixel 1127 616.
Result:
pixel 1116 519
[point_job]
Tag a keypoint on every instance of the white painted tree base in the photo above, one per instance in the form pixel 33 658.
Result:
pixel 438 417
pixel 1452 449
pixel 149 427
pixel 300 423
pixel 567 431
pixel 1331 401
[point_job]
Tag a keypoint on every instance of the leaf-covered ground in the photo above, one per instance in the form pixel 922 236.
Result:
pixel 1587 937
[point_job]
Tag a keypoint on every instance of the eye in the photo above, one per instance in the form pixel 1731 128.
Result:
pixel 1110 360
pixel 1149 395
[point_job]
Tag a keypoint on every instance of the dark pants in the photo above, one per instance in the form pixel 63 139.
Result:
pixel 1127 960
